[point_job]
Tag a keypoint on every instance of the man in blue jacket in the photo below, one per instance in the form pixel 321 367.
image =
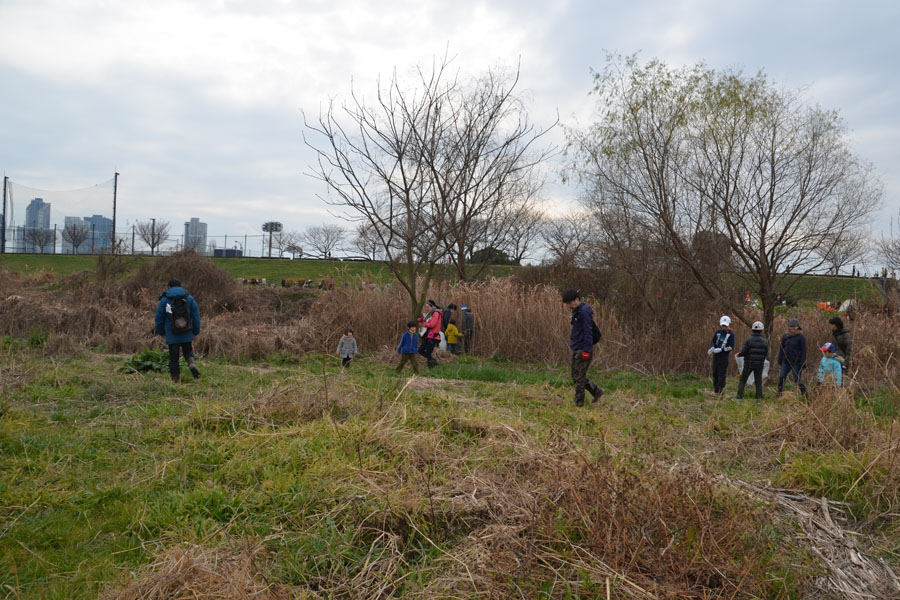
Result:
pixel 178 319
pixel 581 342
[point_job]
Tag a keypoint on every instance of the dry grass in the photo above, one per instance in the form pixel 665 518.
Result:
pixel 192 572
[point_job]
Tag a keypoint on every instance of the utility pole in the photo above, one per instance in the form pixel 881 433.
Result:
pixel 112 236
pixel 3 223
pixel 132 240
pixel 152 236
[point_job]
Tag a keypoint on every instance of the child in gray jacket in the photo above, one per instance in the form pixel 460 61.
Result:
pixel 346 347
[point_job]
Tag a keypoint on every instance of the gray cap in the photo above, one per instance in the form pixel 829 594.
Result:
pixel 793 323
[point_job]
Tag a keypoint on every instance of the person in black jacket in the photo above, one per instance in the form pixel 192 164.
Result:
pixel 843 342
pixel 792 356
pixel 754 352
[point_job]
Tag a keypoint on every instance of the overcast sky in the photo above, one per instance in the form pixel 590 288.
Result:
pixel 197 103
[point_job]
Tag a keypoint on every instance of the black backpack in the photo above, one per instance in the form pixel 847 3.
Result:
pixel 181 315
pixel 595 332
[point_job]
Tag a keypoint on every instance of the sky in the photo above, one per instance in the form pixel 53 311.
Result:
pixel 199 104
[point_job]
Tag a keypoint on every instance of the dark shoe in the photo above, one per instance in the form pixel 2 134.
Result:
pixel 597 392
pixel 176 378
pixel 195 372
pixel 432 364
pixel 579 403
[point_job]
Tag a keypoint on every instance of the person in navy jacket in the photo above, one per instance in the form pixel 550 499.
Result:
pixel 178 342
pixel 720 348
pixel 792 356
pixel 581 342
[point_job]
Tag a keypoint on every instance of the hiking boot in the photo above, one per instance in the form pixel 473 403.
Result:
pixel 596 393
pixel 176 378
pixel 192 365
pixel 579 403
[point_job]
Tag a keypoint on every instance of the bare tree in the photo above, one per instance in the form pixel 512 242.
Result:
pixel 521 231
pixel 324 239
pixel 290 242
pixel 366 241
pixel 40 237
pixel 567 239
pixel 153 233
pixel 889 246
pixel 483 162
pixel 851 248
pixel 374 159
pixel 75 233
pixel 696 150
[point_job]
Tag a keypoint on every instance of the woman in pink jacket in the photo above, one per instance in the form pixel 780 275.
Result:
pixel 431 320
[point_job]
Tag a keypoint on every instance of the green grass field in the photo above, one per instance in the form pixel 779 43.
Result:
pixel 349 479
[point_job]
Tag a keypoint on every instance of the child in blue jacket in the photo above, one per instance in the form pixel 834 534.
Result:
pixel 829 367
pixel 409 347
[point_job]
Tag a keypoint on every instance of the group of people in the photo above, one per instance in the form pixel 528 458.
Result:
pixel 434 322
pixel 792 356
pixel 178 320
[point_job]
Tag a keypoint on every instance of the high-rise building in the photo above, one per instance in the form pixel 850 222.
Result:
pixel 37 227
pixel 100 232
pixel 195 235
pixel 37 214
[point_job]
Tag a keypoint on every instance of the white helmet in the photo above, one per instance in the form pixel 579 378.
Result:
pixel 758 326
pixel 725 320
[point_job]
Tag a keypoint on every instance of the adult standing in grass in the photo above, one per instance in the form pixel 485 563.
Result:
pixel 754 352
pixel 468 326
pixel 431 321
pixel 792 356
pixel 178 319
pixel 843 341
pixel 720 348
pixel 581 342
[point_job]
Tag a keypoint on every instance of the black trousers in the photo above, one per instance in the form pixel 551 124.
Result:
pixel 757 380
pixel 467 339
pixel 720 371
pixel 579 376
pixel 185 348
pixel 345 361
pixel 426 348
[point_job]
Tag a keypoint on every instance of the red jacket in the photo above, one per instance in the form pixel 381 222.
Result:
pixel 432 325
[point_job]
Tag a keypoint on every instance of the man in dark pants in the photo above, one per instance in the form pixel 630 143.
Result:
pixel 720 348
pixel 792 356
pixel 468 326
pixel 581 342
pixel 754 351
pixel 843 342
pixel 178 319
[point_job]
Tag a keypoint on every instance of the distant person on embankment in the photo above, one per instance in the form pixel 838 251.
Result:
pixel 178 319
pixel 581 343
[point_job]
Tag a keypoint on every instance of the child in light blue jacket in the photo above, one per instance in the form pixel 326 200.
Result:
pixel 829 367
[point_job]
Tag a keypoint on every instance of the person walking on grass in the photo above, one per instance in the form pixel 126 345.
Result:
pixel 830 369
pixel 453 336
pixel 720 348
pixel 347 347
pixel 581 343
pixel 431 321
pixel 408 348
pixel 843 342
pixel 754 352
pixel 792 356
pixel 178 319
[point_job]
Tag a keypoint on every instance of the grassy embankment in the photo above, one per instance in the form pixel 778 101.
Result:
pixel 328 483
pixel 273 270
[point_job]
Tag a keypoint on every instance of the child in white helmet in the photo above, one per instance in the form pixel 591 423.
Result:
pixel 720 348
pixel 754 352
